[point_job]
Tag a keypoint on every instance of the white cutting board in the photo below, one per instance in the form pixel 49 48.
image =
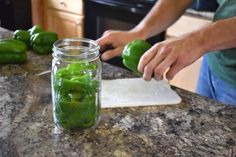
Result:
pixel 131 92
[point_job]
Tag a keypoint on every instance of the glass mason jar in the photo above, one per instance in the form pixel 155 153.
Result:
pixel 76 84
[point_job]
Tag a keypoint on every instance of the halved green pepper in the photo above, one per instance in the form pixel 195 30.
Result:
pixel 42 42
pixel 133 52
pixel 12 51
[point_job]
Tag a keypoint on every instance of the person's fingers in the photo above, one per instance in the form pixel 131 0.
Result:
pixel 146 57
pixel 164 65
pixel 174 69
pixel 107 32
pixel 155 61
pixel 103 42
pixel 111 53
pixel 106 41
pixel 147 74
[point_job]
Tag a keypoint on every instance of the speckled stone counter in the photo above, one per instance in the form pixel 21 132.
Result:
pixel 196 127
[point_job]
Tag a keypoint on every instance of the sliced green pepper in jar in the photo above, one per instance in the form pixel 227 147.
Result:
pixel 75 90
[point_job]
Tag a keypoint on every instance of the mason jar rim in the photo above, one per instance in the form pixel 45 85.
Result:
pixel 57 50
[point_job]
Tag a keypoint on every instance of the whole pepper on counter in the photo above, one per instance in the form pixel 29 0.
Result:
pixel 35 29
pixel 23 36
pixel 42 42
pixel 12 51
pixel 133 52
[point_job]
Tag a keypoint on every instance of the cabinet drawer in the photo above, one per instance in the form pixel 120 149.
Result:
pixel 73 6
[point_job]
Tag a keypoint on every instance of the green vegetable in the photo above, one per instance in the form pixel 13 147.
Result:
pixel 22 35
pixel 42 42
pixel 75 93
pixel 35 29
pixel 12 51
pixel 133 52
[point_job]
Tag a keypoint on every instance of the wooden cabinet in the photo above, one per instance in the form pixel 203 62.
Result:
pixel 188 77
pixel 38 14
pixel 62 16
pixel 65 24
pixel 71 6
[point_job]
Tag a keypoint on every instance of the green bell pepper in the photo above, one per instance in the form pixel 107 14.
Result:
pixel 133 52
pixel 75 96
pixel 42 42
pixel 35 29
pixel 12 51
pixel 22 35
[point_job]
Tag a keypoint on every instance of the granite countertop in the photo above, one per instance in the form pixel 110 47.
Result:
pixel 196 127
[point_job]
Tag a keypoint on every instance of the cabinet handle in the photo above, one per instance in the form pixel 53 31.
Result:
pixel 62 3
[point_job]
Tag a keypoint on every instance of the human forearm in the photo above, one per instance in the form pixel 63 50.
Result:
pixel 217 35
pixel 162 15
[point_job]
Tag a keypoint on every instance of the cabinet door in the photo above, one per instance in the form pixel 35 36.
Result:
pixel 66 25
pixel 38 9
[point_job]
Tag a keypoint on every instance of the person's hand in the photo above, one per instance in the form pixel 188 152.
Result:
pixel 170 56
pixel 113 42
